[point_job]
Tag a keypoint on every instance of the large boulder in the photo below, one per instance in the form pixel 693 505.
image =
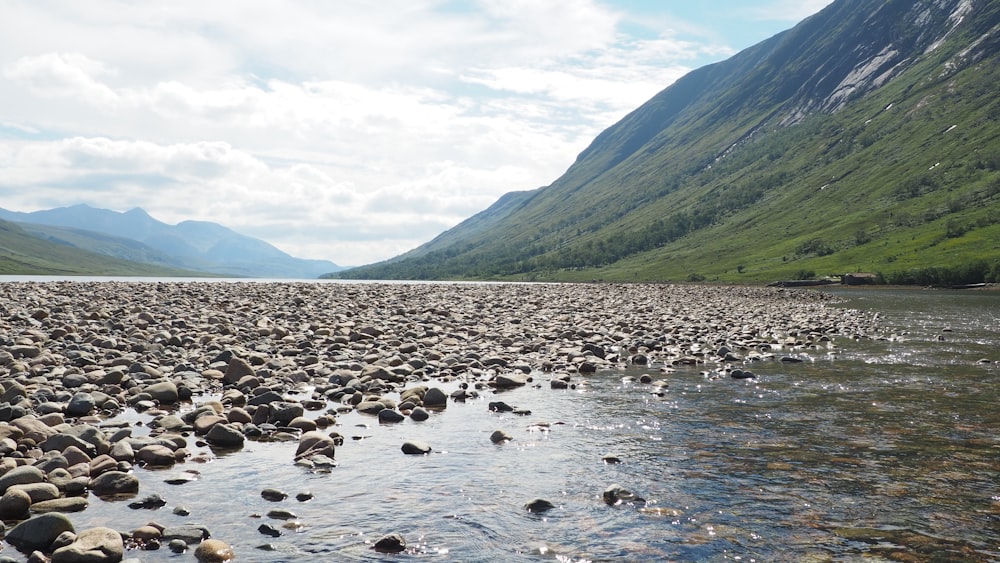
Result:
pixel 39 532
pixel 95 545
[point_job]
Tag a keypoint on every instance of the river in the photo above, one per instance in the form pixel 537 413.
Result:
pixel 881 449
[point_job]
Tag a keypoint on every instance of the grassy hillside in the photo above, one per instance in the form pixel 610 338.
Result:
pixel 774 164
pixel 24 254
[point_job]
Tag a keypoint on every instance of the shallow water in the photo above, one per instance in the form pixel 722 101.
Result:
pixel 874 450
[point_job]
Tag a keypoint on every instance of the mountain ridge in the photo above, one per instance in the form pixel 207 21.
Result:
pixel 717 161
pixel 200 246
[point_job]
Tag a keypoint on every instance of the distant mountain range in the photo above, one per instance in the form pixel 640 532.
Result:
pixel 134 236
pixel 866 138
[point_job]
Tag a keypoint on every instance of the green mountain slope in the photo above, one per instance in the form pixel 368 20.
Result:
pixel 865 138
pixel 22 253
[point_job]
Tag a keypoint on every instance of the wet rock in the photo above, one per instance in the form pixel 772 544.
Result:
pixel 616 494
pixel 416 447
pixel 304 496
pixel 419 414
pixel 164 392
pixel 14 504
pixel 190 534
pixel 225 435
pixel 155 455
pixel 80 404
pixel 269 530
pixel 499 437
pixel 153 501
pixel 315 443
pixel 390 543
pixel 65 504
pixel 389 416
pixel 114 483
pixel 435 398
pixel 39 532
pixel 22 475
pixel 214 551
pixel 538 505
pixel 273 495
pixel 500 406
pixel 37 492
pixel 510 380
pixel 94 545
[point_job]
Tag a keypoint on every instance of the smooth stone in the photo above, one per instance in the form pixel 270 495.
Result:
pixel 435 398
pixel 37 491
pixel 390 543
pixel 214 551
pixel 153 501
pixel 370 407
pixel 94 545
pixel 389 416
pixel 14 504
pixel 21 475
pixel 164 392
pixel 499 436
pixel 39 532
pixel 315 443
pixel 273 495
pixel 155 455
pixel 616 494
pixel 538 505
pixel 114 483
pixel 269 530
pixel 188 533
pixel 65 504
pixel 225 435
pixel 416 447
pixel 419 414
pixel 81 404
pixel 510 380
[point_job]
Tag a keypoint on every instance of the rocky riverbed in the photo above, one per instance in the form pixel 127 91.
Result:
pixel 214 365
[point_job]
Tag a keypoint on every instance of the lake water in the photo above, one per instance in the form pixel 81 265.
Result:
pixel 875 450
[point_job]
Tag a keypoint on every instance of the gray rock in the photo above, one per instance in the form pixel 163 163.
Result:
pixel 37 491
pixel 273 495
pixel 416 447
pixel 21 475
pixel 65 504
pixel 39 532
pixel 419 414
pixel 14 504
pixel 370 407
pixel 390 543
pixel 390 416
pixel 510 380
pixel 81 404
pixel 538 505
pixel 165 392
pixel 616 494
pixel 225 435
pixel 315 443
pixel 499 436
pixel 155 455
pixel 188 533
pixel 114 483
pixel 435 398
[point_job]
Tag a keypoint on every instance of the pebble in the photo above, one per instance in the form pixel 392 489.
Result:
pixel 76 351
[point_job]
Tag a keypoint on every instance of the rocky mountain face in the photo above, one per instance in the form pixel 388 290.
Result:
pixel 812 150
pixel 192 245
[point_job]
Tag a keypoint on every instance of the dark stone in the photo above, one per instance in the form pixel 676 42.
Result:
pixel 390 543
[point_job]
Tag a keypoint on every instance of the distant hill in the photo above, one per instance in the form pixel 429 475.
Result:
pixel 191 245
pixel 866 138
pixel 24 253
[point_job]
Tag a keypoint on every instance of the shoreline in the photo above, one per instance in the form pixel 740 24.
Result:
pixel 222 365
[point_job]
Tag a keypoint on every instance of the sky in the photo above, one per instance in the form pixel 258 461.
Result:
pixel 343 130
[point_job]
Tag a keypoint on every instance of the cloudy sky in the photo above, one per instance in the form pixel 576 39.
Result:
pixel 345 130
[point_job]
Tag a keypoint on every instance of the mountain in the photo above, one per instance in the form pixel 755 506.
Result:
pixel 865 138
pixel 193 245
pixel 25 253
